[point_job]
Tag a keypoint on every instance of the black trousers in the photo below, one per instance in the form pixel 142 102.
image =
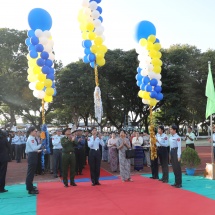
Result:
pixel 163 156
pixel 176 165
pixel 57 160
pixel 12 151
pixel 3 171
pixel 191 145
pixel 39 164
pixel 154 168
pixel 18 149
pixel 95 162
pixel 79 153
pixel 23 151
pixel 32 165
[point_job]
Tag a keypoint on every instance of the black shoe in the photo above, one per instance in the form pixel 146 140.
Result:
pixel 73 184
pixel 160 179
pixel 93 184
pixel 35 188
pixel 151 177
pixel 173 185
pixel 66 185
pixel 33 192
pixel 178 186
pixel 3 191
pixel 55 176
pixel 97 183
pixel 165 181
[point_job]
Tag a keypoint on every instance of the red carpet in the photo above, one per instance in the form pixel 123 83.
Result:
pixel 143 196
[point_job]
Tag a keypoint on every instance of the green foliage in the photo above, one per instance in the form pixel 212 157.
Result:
pixel 190 158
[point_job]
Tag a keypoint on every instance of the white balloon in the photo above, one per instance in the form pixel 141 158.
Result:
pixel 89 19
pixel 51 43
pixel 97 23
pixel 144 72
pixel 47 34
pixel 99 30
pixel 35 93
pixel 95 14
pixel 103 37
pixel 152 75
pixel 87 11
pixel 93 5
pixel 41 94
pixel 159 83
pixel 85 3
pixel 48 48
pixel 143 65
pixel 145 101
pixel 51 56
pixel 38 32
pixel 32 85
pixel 150 67
pixel 43 40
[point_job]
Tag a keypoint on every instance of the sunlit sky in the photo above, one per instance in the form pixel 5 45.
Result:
pixel 176 21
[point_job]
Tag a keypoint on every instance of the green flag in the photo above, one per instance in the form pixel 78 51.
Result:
pixel 210 93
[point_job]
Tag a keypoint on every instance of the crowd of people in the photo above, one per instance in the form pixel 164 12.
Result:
pixel 72 150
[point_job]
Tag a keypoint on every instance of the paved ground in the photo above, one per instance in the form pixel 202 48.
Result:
pixel 17 171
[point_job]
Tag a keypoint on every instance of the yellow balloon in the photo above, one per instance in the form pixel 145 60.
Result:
pixel 140 93
pixel 153 102
pixel 152 38
pixel 48 98
pixel 84 35
pixel 103 48
pixel 157 46
pixel 98 41
pixel 94 49
pixel 156 62
pixel 41 77
pixel 32 62
pixel 157 69
pixel 100 62
pixel 28 56
pixel 48 83
pixel 32 78
pixel 49 91
pixel 30 71
pixel 153 53
pixel 83 27
pixel 36 70
pixel 143 42
pixel 149 46
pixel 90 26
pixel 159 55
pixel 146 95
pixel 99 55
pixel 91 35
pixel 39 85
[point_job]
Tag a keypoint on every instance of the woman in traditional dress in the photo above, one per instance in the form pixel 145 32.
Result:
pixel 105 148
pixel 146 147
pixel 113 155
pixel 124 164
pixel 137 142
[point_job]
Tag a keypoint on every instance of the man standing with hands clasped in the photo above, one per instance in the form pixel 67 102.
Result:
pixel 95 156
pixel 175 147
pixel 189 138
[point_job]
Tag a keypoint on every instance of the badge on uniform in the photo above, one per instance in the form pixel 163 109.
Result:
pixel 165 138
pixel 178 139
pixel 32 141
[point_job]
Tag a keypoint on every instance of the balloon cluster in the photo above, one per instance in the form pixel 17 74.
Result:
pixel 40 57
pixel 90 20
pixel 148 73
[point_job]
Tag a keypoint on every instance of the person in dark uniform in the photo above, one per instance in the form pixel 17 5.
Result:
pixel 175 151
pixel 95 156
pixel 4 158
pixel 154 168
pixel 68 157
pixel 32 150
pixel 79 152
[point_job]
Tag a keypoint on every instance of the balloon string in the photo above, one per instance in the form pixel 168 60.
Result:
pixel 152 137
pixel 96 75
pixel 43 112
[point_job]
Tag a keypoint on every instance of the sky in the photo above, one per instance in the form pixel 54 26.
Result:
pixel 176 21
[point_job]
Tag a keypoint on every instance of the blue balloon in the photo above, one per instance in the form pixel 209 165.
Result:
pixel 157 40
pixel 91 57
pixel 51 70
pixel 139 77
pixel 87 44
pixel 39 47
pixel 99 9
pixel 159 96
pixel 158 89
pixel 139 83
pixel 30 33
pixel 28 42
pixel 92 64
pixel 50 76
pixel 101 19
pixel 139 69
pixel 31 48
pixel 98 1
pixel 148 88
pixel 34 40
pixel 154 82
pixel 142 86
pixel 153 95
pixel 144 29
pixel 48 62
pixel 44 55
pixel 146 80
pixel 39 18
pixel 55 91
pixel 45 70
pixel 85 59
pixel 33 54
pixel 87 51
pixel 40 62
pixel 53 84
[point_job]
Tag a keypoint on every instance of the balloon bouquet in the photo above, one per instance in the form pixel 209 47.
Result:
pixel 148 73
pixel 90 20
pixel 40 62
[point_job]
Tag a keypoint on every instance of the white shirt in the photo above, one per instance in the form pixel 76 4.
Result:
pixel 192 136
pixel 56 141
pixel 94 143
pixel 175 141
pixel 162 140
pixel 15 140
pixel 31 145
pixel 137 141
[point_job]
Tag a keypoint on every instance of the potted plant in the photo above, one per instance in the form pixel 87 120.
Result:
pixel 190 159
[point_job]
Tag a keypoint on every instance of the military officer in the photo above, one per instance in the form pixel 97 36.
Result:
pixel 57 153
pixel 95 156
pixel 162 151
pixel 68 156
pixel 175 151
